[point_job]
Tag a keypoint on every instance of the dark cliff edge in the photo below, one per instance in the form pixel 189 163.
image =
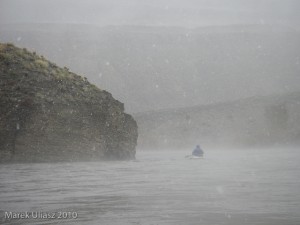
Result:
pixel 50 114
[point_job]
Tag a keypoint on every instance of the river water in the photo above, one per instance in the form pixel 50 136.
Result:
pixel 225 187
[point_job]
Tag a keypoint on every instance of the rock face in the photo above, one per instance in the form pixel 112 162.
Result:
pixel 50 114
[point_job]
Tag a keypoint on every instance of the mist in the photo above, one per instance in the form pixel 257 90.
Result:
pixel 166 60
pixel 173 63
pixel 149 112
pixel 189 13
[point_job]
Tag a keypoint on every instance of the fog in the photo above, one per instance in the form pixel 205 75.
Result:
pixel 175 58
pixel 189 13
pixel 160 49
pixel 222 74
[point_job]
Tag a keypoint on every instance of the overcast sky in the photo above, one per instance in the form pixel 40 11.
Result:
pixel 187 13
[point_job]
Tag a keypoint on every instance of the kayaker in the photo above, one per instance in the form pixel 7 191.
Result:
pixel 197 151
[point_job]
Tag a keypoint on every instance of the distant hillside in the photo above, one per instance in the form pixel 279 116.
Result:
pixel 48 113
pixel 251 122
pixel 151 68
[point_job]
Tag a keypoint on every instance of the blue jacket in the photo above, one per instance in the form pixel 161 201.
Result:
pixel 197 151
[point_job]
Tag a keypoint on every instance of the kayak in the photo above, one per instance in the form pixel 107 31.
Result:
pixel 193 157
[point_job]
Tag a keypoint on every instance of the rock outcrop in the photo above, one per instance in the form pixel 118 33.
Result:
pixel 50 114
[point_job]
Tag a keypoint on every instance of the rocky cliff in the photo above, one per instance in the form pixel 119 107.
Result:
pixel 48 113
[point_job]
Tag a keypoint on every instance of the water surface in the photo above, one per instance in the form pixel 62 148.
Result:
pixel 225 187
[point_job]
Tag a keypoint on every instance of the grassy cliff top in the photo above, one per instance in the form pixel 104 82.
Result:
pixel 26 73
pixel 21 60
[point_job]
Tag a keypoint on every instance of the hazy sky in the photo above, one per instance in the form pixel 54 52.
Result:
pixel 188 13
